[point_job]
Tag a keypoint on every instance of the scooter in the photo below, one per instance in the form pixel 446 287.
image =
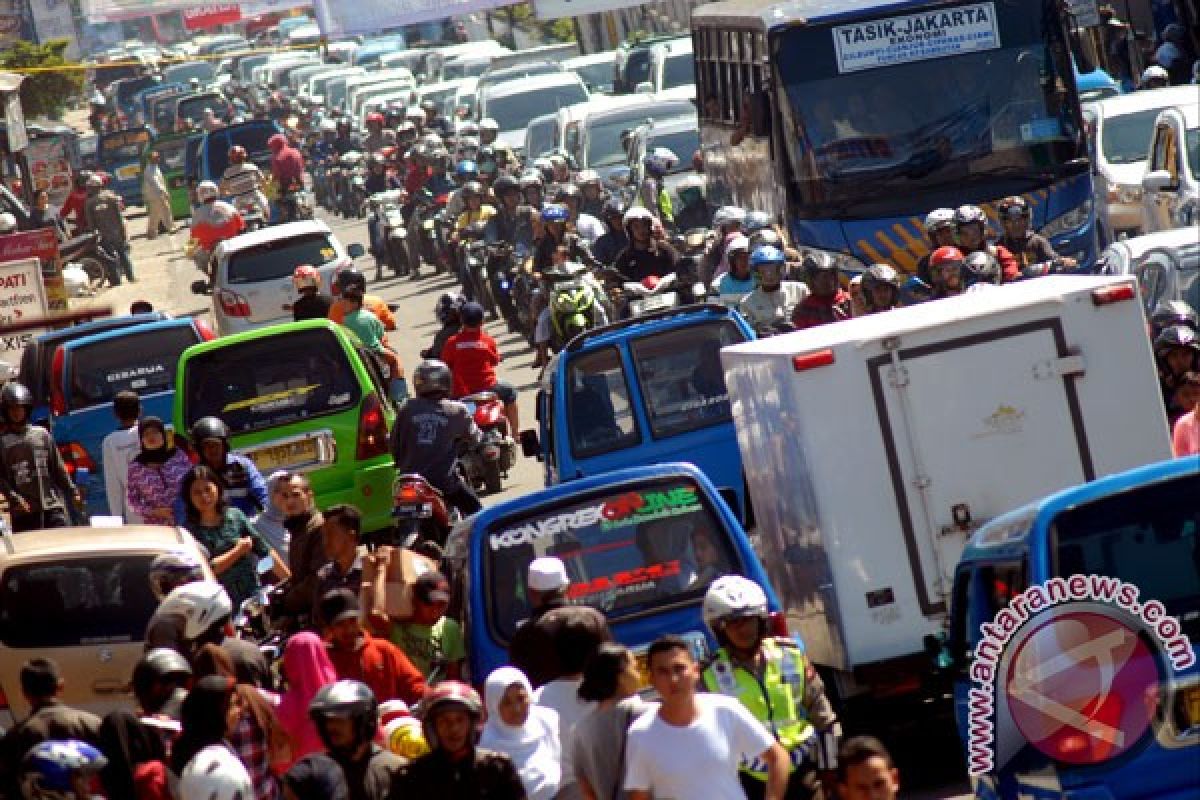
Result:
pixel 420 512
pixel 472 267
pixel 100 263
pixel 487 464
pixel 501 262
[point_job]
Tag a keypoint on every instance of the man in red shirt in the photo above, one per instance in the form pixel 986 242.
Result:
pixel 359 656
pixel 287 170
pixel 73 206
pixel 472 357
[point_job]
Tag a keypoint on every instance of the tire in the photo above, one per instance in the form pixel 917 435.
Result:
pixel 491 477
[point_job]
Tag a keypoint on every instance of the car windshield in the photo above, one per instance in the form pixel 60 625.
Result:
pixel 123 145
pixel 1192 142
pixel 276 260
pixel 183 73
pixel 79 601
pixel 682 143
pixel 271 381
pixel 637 67
pixel 540 137
pixel 142 362
pixel 604 137
pixel 681 379
pixel 598 77
pixel 871 129
pixel 512 112
pixel 598 408
pixel 1127 137
pixel 627 552
pixel 1148 537
pixel 679 70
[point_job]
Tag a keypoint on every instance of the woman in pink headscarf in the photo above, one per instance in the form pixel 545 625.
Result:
pixel 308 668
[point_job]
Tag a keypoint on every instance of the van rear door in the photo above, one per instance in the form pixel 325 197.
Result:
pixel 1023 400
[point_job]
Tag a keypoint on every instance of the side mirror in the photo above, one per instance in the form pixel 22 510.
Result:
pixel 530 446
pixel 355 250
pixel 1158 181
pixel 645 87
pixel 200 287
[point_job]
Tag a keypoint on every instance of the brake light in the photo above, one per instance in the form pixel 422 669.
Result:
pixel 819 358
pixel 408 493
pixel 58 401
pixel 1116 293
pixel 233 304
pixel 206 332
pixel 74 457
pixel 777 624
pixel 372 429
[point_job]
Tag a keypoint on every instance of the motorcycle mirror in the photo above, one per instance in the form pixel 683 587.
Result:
pixel 200 287
pixel 355 250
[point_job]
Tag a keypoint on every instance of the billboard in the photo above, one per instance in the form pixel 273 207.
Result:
pixel 372 16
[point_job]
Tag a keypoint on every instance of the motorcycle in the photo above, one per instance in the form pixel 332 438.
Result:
pixel 573 307
pixel 501 261
pixel 472 267
pixel 651 294
pixel 420 512
pixel 427 242
pixel 487 464
pixel 389 235
pixel 349 167
pixel 295 203
pixel 97 260
pixel 252 215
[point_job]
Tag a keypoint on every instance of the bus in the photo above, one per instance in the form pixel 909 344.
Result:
pixel 848 121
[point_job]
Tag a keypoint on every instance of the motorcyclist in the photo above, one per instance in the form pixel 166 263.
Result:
pixel 726 220
pixel 406 136
pixel 592 194
pixel 653 192
pixel 614 240
pixel 213 221
pixel 61 769
pixel 739 281
pixel 33 479
pixel 428 430
pixel 946 269
pixel 773 678
pixel 513 222
pixel 646 254
pixel 1034 254
pixel 465 171
pixel 242 182
pixel 475 208
pixel 346 715
pixel 370 330
pixel 377 177
pixel 375 139
pixel 1154 77
pixel 560 169
pixel 770 307
pixel 557 325
pixel 533 189
pixel 489 136
pixel 287 170
pixel 448 312
pixel 939 229
pixel 980 271
pixel 586 225
pixel 311 302
pixel 102 213
pixel 1173 312
pixel 826 301
pixel 881 288
pixel 472 356
pixel 1176 353
pixel 456 768
pixel 434 121
pixel 245 488
pixel 557 232
pixel 695 212
pixel 416 115
pixel 372 302
pixel 345 141
pixel 970 225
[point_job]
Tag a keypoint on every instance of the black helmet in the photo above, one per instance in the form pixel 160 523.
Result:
pixel 505 184
pixel 16 394
pixel 568 191
pixel 449 306
pixel 207 428
pixel 980 267
pixel 159 664
pixel 352 699
pixel 351 278
pixel 816 262
pixel 432 379
pixel 1176 336
pixel 1175 312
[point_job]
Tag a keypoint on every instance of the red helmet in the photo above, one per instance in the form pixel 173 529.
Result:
pixel 650 283
pixel 306 277
pixel 388 153
pixel 376 117
pixel 445 696
pixel 945 255
pixel 237 154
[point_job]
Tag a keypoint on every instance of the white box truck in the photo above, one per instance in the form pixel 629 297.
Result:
pixel 874 447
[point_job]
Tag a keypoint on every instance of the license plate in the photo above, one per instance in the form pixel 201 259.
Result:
pixel 128 172
pixel 285 456
pixel 410 510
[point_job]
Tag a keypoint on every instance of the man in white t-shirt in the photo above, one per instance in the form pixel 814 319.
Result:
pixel 118 451
pixel 692 747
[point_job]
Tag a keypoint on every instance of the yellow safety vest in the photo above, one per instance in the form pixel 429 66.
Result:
pixel 776 701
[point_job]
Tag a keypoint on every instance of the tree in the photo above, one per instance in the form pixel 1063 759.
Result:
pixel 44 93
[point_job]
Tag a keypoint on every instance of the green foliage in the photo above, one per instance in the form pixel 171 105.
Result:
pixel 44 94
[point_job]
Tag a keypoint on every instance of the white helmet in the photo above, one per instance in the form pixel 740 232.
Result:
pixel 637 212
pixel 1155 71
pixel 174 568
pixel 939 218
pixel 328 126
pixel 728 215
pixel 207 190
pixel 730 597
pixel 738 244
pixel 414 113
pixel 8 223
pixel 489 124
pixel 202 604
pixel 215 773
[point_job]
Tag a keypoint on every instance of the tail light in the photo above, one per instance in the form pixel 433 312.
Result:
pixel 205 331
pixel 233 304
pixel 407 493
pixel 58 400
pixel 777 625
pixel 818 358
pixel 372 429
pixel 1116 293
pixel 75 456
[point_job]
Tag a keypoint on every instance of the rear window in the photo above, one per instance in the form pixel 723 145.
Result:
pixel 276 260
pixel 172 154
pixel 140 362
pixel 598 406
pixel 37 358
pixel 626 552
pixel 192 108
pixel 95 600
pixel 681 378
pixel 272 381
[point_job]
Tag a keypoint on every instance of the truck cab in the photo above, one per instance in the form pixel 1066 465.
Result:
pixel 643 391
pixel 1136 530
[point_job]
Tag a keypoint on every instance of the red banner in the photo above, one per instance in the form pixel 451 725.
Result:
pixel 211 16
pixel 42 244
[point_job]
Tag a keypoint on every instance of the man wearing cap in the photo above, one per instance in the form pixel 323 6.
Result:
pixel 553 626
pixel 359 656
pixel 431 640
pixel 102 212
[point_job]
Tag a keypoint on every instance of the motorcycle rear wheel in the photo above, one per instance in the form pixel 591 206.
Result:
pixel 96 273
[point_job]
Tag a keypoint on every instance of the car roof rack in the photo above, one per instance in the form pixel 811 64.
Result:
pixel 578 342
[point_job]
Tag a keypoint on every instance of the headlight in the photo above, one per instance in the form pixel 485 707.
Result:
pixel 1075 218
pixel 1129 194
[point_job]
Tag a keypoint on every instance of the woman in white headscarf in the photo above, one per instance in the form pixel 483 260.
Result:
pixel 528 734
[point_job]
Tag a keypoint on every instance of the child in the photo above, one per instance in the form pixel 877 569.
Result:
pixel 371 332
pixel 1186 438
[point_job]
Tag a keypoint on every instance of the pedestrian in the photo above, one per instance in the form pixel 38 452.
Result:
pixel 339 535
pixel 269 521
pixel 42 215
pixel 307 667
pixel 33 478
pixel 455 768
pixel 315 777
pixel 42 687
pixel 231 540
pixel 156 476
pixel 117 451
pixel 157 198
pixel 866 770
pixel 553 626
pixel 73 207
pixel 1186 435
pixel 208 717
pixel 432 641
pixel 346 714
pixel 370 331
pixel 359 656
pixel 306 546
pixel 244 484
pixel 526 733
pixel 692 746
pixel 611 681
pixel 102 213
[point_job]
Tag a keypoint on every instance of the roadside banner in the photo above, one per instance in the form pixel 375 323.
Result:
pixel 557 9
pixel 336 18
pixel 22 296
pixel 43 245
pixel 195 19
pixel 47 157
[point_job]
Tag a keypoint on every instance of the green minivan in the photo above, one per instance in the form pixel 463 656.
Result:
pixel 302 397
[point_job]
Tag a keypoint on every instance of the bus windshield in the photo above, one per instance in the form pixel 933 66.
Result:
pixel 876 123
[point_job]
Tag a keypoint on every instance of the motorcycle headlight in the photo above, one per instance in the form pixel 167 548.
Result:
pixel 1130 195
pixel 1075 218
